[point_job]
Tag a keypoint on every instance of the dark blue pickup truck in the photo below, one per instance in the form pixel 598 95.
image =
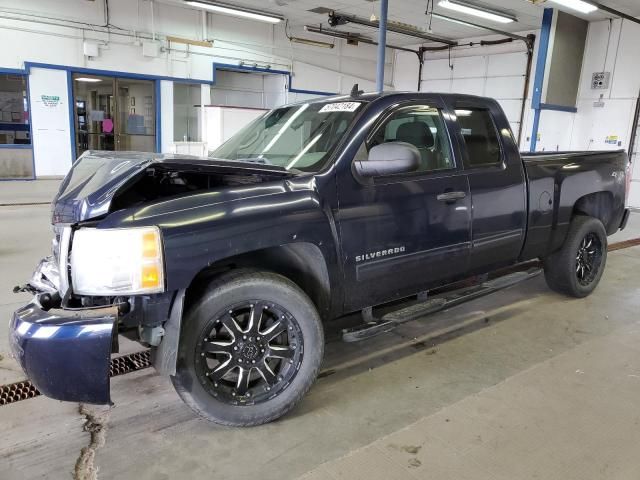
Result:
pixel 227 267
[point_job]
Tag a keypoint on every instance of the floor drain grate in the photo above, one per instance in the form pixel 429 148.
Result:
pixel 14 392
pixel 130 363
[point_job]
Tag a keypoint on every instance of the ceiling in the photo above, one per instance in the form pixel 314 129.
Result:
pixel 412 12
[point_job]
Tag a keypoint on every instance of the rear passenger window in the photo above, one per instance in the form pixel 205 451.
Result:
pixel 480 137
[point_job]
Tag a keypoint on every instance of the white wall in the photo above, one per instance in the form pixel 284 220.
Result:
pixel 50 121
pixel 612 47
pixel 235 40
pixel 166 106
pixel 43 31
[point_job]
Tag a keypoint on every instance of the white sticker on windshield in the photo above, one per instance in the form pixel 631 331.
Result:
pixel 340 107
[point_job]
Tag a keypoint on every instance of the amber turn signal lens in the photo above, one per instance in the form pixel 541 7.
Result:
pixel 150 276
pixel 150 245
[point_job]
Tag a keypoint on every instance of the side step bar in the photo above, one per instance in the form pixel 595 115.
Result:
pixel 374 326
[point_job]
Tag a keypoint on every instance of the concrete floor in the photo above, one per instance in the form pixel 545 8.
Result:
pixel 521 384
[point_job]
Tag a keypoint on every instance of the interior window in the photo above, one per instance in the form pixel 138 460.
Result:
pixel 480 136
pixel 423 127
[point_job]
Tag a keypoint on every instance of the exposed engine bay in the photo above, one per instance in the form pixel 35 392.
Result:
pixel 164 181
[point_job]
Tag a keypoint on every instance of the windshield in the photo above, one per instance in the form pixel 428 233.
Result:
pixel 296 137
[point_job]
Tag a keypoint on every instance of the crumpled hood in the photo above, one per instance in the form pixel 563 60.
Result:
pixel 97 176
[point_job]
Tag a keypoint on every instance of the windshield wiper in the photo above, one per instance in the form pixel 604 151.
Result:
pixel 261 161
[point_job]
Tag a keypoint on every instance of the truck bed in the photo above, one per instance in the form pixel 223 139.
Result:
pixel 557 183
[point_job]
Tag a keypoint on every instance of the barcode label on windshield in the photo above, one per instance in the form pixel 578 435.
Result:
pixel 340 107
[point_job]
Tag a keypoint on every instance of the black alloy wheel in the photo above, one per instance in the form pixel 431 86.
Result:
pixel 249 353
pixel 577 267
pixel 251 346
pixel 588 259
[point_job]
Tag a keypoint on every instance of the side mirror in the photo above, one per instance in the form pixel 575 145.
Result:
pixel 389 159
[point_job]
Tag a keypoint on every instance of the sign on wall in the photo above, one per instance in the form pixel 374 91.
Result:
pixel 50 121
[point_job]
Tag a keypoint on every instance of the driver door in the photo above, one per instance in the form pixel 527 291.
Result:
pixel 401 234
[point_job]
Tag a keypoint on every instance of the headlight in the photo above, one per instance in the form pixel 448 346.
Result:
pixel 117 261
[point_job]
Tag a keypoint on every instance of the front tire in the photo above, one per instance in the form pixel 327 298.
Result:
pixel 576 269
pixel 250 349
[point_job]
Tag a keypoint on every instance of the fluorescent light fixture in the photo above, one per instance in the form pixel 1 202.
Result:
pixel 307 41
pixel 88 79
pixel 579 5
pixel 455 20
pixel 470 9
pixel 235 11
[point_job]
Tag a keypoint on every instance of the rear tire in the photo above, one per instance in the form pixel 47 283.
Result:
pixel 576 269
pixel 250 349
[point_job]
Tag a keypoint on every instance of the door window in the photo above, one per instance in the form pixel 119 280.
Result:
pixel 480 137
pixel 423 127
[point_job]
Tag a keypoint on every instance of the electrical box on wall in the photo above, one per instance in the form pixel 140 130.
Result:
pixel 90 49
pixel 600 80
pixel 150 49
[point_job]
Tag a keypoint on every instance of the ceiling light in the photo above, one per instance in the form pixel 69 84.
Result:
pixel 470 9
pixel 307 41
pixel 236 11
pixel 454 20
pixel 579 5
pixel 88 79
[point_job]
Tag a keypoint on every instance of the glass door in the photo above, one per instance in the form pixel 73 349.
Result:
pixel 94 112
pixel 115 114
pixel 136 119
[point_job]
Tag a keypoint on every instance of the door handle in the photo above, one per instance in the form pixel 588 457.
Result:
pixel 451 197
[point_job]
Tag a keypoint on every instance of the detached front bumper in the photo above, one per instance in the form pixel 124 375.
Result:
pixel 64 353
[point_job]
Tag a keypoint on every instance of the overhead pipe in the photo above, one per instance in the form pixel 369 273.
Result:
pixel 336 19
pixel 615 12
pixel 350 37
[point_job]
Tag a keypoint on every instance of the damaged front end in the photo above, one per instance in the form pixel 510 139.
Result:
pixel 64 352
pixel 106 274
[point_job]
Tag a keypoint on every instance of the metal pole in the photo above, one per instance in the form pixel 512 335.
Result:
pixel 382 44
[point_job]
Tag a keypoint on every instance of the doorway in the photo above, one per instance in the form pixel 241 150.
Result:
pixel 113 113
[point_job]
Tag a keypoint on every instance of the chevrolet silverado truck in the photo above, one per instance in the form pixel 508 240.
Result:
pixel 227 267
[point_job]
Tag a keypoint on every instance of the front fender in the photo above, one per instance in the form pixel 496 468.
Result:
pixel 199 235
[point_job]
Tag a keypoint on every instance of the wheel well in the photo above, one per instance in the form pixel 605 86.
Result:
pixel 598 205
pixel 302 263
